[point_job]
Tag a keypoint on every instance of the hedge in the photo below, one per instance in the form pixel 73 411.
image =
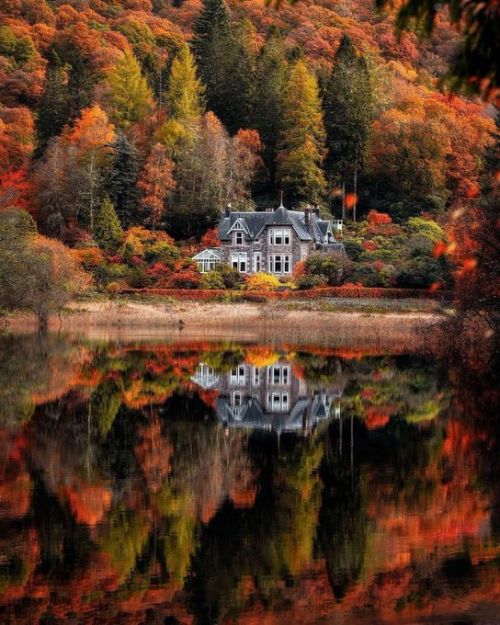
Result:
pixel 353 292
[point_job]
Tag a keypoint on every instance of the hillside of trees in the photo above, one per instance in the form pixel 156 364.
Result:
pixel 156 114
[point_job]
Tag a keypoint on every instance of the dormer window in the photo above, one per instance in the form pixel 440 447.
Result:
pixel 238 237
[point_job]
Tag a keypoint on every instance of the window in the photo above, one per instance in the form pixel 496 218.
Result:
pixel 238 375
pixel 277 402
pixel 257 261
pixel 207 263
pixel 237 399
pixel 279 236
pixel 239 261
pixel 278 374
pixel 256 376
pixel 279 263
pixel 238 238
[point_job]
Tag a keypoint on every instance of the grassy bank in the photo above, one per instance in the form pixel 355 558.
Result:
pixel 384 324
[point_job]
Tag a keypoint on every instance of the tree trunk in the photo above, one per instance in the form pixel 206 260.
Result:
pixel 343 199
pixel 43 322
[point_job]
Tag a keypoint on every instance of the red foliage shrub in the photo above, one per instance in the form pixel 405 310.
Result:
pixel 370 246
pixel 376 218
pixel 158 270
pixel 181 280
pixel 210 239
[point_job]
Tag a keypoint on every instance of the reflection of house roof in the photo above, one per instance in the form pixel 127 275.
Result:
pixel 306 413
pixel 254 223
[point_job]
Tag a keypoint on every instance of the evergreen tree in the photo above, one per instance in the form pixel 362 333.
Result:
pixel 122 180
pixel 224 65
pixel 348 106
pixel 107 228
pixel 130 95
pixel 302 139
pixel 53 111
pixel 81 82
pixel 270 92
pixel 184 95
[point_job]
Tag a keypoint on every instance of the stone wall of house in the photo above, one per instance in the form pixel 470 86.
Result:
pixel 298 250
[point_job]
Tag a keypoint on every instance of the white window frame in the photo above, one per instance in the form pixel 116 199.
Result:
pixel 257 262
pixel 283 261
pixel 239 237
pixel 278 401
pixel 239 261
pixel 238 375
pixel 280 236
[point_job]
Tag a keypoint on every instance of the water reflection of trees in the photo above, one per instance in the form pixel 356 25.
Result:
pixel 119 488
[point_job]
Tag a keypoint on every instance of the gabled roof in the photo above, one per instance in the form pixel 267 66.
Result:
pixel 255 222
pixel 208 254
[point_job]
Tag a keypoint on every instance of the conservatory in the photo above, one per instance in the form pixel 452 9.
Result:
pixel 208 259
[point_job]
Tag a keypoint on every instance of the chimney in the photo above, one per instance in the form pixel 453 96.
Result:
pixel 316 210
pixel 307 216
pixel 228 209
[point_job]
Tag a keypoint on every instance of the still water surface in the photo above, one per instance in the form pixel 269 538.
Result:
pixel 223 483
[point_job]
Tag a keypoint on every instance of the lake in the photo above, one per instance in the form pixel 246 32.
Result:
pixel 183 481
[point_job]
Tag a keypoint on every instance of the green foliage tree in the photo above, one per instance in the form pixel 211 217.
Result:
pixel 348 107
pixel 224 65
pixel 20 49
pixel 36 274
pixel 184 94
pixel 302 139
pixel 121 184
pixel 53 111
pixel 271 80
pixel 129 92
pixel 107 228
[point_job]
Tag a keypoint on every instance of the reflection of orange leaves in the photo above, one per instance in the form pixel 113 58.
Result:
pixel 298 371
pixel 376 421
pixel 243 497
pixel 350 200
pixel 469 264
pixel 15 495
pixel 88 503
pixel 435 286
pixel 261 356
pixel 209 398
pixel 439 249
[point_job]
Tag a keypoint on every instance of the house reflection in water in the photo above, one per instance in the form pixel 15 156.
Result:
pixel 271 397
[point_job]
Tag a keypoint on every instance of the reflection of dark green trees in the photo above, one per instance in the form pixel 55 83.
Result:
pixel 65 546
pixel 27 366
pixel 104 405
pixel 270 542
pixel 343 524
pixel 406 388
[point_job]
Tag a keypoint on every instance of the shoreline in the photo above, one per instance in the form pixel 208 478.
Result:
pixel 126 320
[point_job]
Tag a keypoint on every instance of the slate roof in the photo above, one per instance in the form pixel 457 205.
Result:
pixel 250 415
pixel 256 222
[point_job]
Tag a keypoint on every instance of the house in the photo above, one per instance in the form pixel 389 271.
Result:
pixel 270 397
pixel 272 241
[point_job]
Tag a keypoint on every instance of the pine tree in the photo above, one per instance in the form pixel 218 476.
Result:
pixel 348 106
pixel 53 111
pixel 107 228
pixel 130 95
pixel 302 139
pixel 121 183
pixel 224 65
pixel 270 88
pixel 81 82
